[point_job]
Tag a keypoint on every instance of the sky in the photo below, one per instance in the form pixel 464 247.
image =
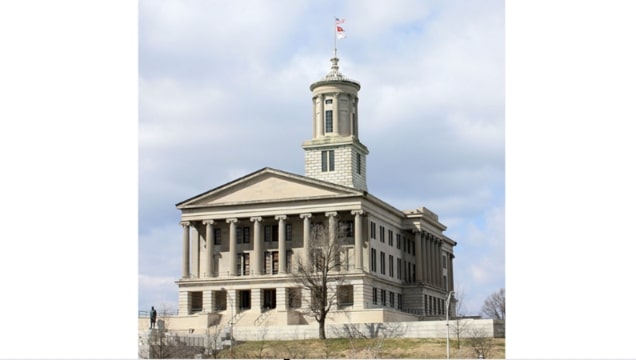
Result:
pixel 224 91
pixel 79 138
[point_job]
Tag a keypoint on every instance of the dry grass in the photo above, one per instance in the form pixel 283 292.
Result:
pixel 359 348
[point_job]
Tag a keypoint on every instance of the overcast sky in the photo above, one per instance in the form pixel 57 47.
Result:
pixel 224 91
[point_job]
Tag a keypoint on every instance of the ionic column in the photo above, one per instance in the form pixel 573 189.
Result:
pixel 429 259
pixel 209 247
pixel 185 269
pixel 306 240
pixel 418 255
pixel 232 254
pixel 258 245
pixel 196 253
pixel 282 248
pixel 451 280
pixel 438 265
pixel 358 238
pixel 332 226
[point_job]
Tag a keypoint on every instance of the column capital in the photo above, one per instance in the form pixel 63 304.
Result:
pixel 231 221
pixel 208 222
pixel 256 219
pixel 331 213
pixel 280 217
pixel 185 223
pixel 358 212
pixel 416 231
pixel 305 216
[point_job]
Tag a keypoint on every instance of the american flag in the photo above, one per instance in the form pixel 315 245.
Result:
pixel 339 21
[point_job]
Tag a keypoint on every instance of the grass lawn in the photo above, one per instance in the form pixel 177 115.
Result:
pixel 360 348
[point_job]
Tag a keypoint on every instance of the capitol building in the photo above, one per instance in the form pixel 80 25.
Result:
pixel 243 240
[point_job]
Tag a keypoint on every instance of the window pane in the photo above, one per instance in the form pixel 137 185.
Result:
pixel 329 121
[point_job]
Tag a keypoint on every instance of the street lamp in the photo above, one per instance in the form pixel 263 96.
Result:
pixel 450 294
pixel 231 319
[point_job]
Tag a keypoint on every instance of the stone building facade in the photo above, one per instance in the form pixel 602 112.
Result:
pixel 241 239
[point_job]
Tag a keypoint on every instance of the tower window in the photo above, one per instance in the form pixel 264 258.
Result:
pixel 358 163
pixel 329 121
pixel 329 101
pixel 328 160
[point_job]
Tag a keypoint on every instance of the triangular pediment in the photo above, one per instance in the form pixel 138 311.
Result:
pixel 269 185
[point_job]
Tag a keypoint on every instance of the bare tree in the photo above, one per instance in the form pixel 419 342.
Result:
pixel 495 305
pixel 319 274
pixel 481 343
pixel 459 325
pixel 368 339
pixel 213 341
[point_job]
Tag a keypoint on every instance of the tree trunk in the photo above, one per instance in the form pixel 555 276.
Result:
pixel 321 329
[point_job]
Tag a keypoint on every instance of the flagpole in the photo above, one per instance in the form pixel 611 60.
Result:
pixel 335 49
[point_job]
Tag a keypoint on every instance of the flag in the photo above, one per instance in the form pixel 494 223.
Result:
pixel 340 33
pixel 339 21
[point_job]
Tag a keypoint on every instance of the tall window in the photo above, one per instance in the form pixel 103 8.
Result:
pixel 328 121
pixel 390 237
pixel 399 268
pixel 391 299
pixel 358 163
pixel 383 297
pixel 381 233
pixel 288 232
pixel 375 296
pixel 382 264
pixel 217 236
pixel 391 265
pixel 373 261
pixel 328 160
pixel 398 241
pixel 372 230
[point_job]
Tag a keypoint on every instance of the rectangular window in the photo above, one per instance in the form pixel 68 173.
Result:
pixel 390 237
pixel 444 262
pixel 358 163
pixel 246 264
pixel 399 301
pixel 332 160
pixel 329 101
pixel 288 232
pixel 391 299
pixel 328 160
pixel 239 235
pixel 373 263
pixel 375 296
pixel 382 264
pixel 268 232
pixel 398 241
pixel 274 233
pixel 383 297
pixel 399 268
pixel 346 228
pixel 328 121
pixel 274 262
pixel 217 236
pixel 246 235
pixel 391 265
pixel 288 260
pixel 372 230
pixel 381 233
